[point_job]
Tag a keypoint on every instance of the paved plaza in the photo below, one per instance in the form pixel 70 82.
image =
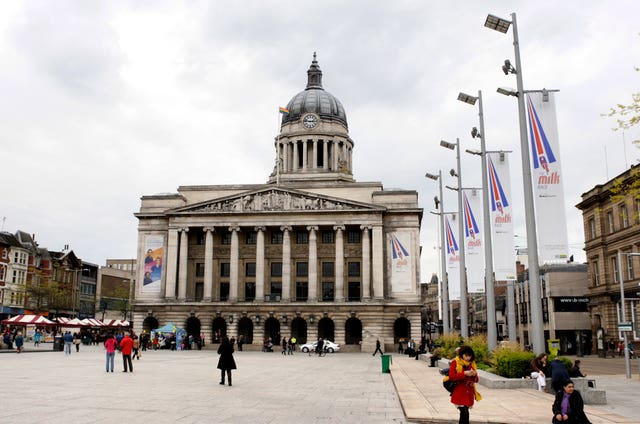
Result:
pixel 182 387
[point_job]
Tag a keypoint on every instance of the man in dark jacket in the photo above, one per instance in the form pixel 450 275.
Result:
pixel 559 375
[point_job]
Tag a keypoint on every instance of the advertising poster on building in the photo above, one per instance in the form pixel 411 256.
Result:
pixel 473 237
pixel 154 249
pixel 401 262
pixel 504 253
pixel 453 256
pixel 547 178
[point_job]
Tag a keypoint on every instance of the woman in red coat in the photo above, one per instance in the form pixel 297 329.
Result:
pixel 463 371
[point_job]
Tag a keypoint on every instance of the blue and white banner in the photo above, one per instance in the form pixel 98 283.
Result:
pixel 500 208
pixel 474 240
pixel 453 256
pixel 547 178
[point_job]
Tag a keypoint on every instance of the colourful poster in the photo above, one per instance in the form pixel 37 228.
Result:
pixel 500 209
pixel 474 240
pixel 547 178
pixel 401 263
pixel 152 277
pixel 453 257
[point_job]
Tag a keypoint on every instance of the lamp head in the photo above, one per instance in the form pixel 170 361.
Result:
pixel 431 176
pixel 450 146
pixel 498 24
pixel 466 98
pixel 508 91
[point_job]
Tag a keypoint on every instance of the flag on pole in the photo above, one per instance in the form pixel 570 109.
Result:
pixel 474 240
pixel 283 110
pixel 453 259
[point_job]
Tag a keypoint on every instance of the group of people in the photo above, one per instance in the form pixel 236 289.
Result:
pixel 128 345
pixel 289 346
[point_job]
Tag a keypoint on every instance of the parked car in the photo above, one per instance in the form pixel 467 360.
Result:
pixel 329 346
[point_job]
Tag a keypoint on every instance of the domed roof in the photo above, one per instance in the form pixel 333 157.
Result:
pixel 314 99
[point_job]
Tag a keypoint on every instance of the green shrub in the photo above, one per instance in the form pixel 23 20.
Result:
pixel 448 344
pixel 480 347
pixel 510 361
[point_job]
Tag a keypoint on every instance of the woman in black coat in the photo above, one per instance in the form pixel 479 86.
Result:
pixel 568 406
pixel 226 362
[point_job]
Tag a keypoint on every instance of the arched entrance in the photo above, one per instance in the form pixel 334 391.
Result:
pixel 353 331
pixel 299 330
pixel 401 329
pixel 149 323
pixel 245 328
pixel 218 329
pixel 272 330
pixel 326 329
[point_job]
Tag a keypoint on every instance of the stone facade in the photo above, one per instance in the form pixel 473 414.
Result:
pixel 311 253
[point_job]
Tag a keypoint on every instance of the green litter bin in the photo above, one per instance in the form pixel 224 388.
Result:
pixel 386 360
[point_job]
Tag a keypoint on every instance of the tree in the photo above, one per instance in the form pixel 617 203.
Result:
pixel 627 116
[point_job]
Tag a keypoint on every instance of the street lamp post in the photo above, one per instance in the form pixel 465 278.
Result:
pixel 537 325
pixel 443 261
pixel 492 331
pixel 464 329
pixel 623 314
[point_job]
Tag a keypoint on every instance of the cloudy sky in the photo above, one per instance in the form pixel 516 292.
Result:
pixel 103 102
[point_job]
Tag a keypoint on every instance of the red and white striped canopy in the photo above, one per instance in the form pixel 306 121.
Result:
pixel 28 320
pixel 92 322
pixel 117 323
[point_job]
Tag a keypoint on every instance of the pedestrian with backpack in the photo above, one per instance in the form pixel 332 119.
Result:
pixel 463 372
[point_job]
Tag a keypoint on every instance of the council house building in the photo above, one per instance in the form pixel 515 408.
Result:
pixel 311 253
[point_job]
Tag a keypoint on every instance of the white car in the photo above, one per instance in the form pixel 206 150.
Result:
pixel 329 346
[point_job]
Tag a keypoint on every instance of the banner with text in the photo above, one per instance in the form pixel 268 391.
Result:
pixel 401 264
pixel 453 256
pixel 547 178
pixel 154 248
pixel 474 239
pixel 500 208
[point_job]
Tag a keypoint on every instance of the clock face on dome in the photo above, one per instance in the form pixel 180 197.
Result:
pixel 310 121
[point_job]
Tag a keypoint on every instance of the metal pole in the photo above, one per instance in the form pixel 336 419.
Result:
pixel 464 330
pixel 446 328
pixel 537 325
pixel 511 311
pixel 623 314
pixel 492 331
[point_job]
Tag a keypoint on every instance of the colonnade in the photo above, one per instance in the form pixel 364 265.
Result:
pixel 316 154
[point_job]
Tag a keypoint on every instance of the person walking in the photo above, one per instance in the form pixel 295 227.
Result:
pixel 226 363
pixel 290 346
pixel 110 347
pixel 284 345
pixel 559 375
pixel 568 406
pixel 68 339
pixel 537 366
pixel 136 348
pixel 126 347
pixel 19 341
pixel 463 370
pixel 36 338
pixel 378 348
pixel 319 346
pixel 76 341
pixel 240 342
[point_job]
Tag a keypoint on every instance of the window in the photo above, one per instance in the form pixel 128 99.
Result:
pixel 199 270
pixel 225 238
pixel 302 269
pixel 353 236
pixel 630 273
pixel 596 273
pixel 327 291
pixel 225 269
pixel 327 269
pixel 302 291
pixel 199 291
pixel 302 237
pixel 276 269
pixel 276 237
pixel 4 253
pixel 354 291
pixel 327 237
pixel 249 291
pixel 610 225
pixel 624 216
pixel 250 269
pixel 637 211
pixel 592 228
pixel 276 291
pixel 200 238
pixel 224 291
pixel 354 269
pixel 252 237
pixel 614 269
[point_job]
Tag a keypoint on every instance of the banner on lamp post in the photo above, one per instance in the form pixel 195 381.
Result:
pixel 504 253
pixel 547 178
pixel 453 258
pixel 473 238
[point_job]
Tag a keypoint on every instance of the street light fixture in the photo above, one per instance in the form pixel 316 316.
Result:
pixel 623 314
pixel 492 330
pixel 537 324
pixel 464 330
pixel 443 261
pixel 508 91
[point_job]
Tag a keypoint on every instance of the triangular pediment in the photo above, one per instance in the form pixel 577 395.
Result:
pixel 275 200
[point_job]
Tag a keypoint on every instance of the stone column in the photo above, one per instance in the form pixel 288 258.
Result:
pixel 172 264
pixel 294 162
pixel 366 263
pixel 378 262
pixel 285 157
pixel 260 263
pixel 335 156
pixel 305 155
pixel 182 270
pixel 339 268
pixel 314 165
pixel 313 264
pixel 233 264
pixel 208 263
pixel 286 263
pixel 325 156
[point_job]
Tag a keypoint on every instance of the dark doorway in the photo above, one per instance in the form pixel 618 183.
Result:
pixel 193 327
pixel 245 328
pixel 326 329
pixel 272 330
pixel 401 329
pixel 353 331
pixel 150 323
pixel 299 330
pixel 218 329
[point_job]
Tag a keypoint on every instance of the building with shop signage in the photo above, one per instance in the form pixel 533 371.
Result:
pixel 310 253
